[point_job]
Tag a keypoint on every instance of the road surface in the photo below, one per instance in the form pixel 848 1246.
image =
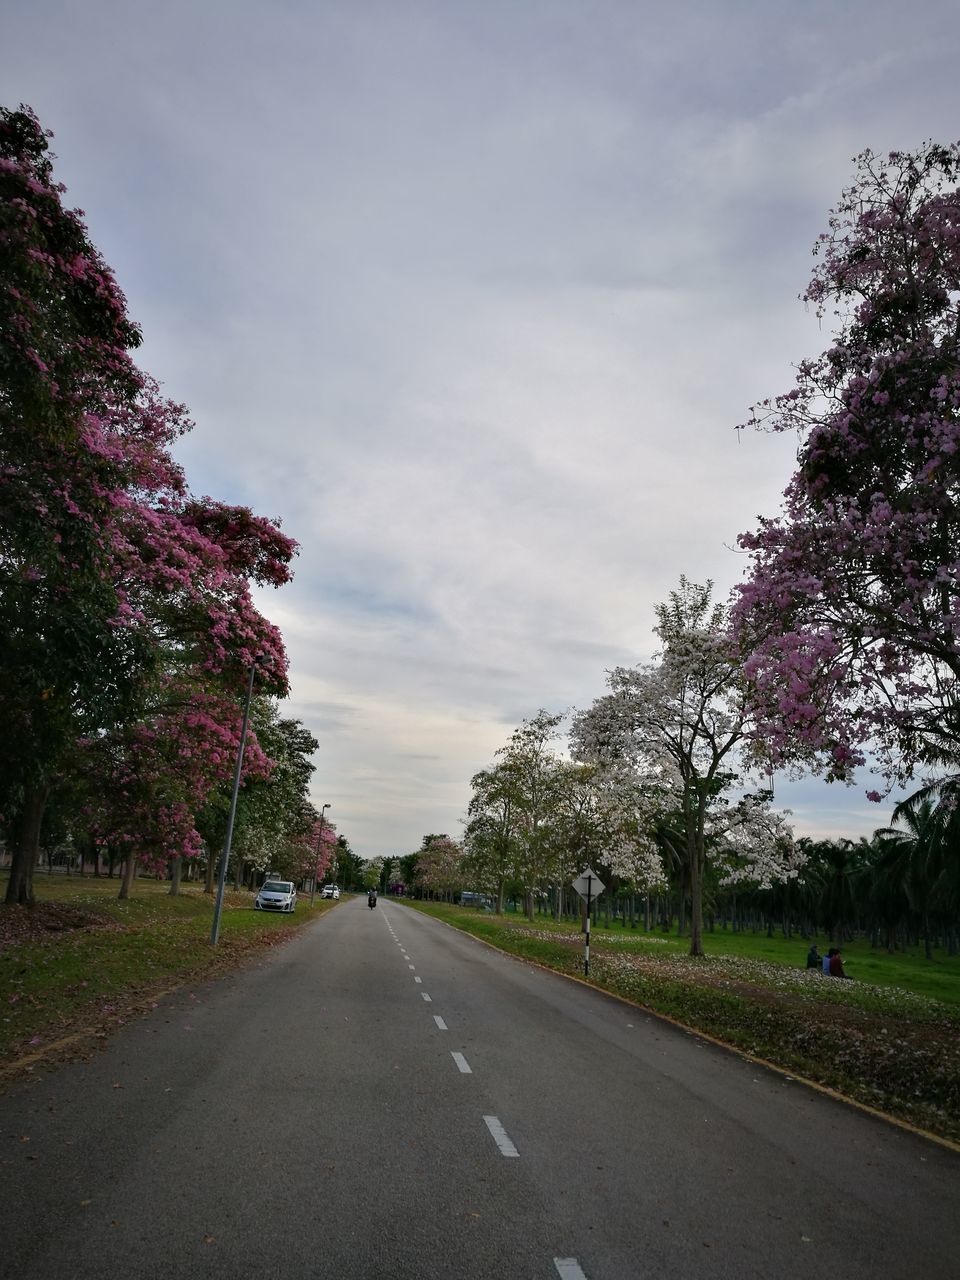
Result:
pixel 384 1097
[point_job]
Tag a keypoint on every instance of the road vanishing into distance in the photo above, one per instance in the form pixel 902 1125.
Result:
pixel 386 1097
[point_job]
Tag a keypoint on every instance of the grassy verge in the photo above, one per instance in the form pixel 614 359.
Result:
pixel 83 962
pixel 881 1043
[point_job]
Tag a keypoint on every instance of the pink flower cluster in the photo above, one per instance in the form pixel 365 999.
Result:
pixel 851 610
pixel 133 594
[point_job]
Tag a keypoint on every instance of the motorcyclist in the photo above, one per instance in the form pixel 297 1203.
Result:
pixel 372 898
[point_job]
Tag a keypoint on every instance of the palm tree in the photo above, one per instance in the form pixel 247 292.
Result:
pixel 919 845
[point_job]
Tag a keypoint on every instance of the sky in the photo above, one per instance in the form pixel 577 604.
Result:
pixel 473 296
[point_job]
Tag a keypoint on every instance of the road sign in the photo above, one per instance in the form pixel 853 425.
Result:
pixel 588 884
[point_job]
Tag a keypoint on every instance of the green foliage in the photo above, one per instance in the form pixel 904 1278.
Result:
pixel 273 814
pixel 349 865
pixel 372 873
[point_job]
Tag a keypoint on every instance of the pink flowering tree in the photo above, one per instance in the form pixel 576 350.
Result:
pixel 120 594
pixel 306 850
pixel 671 736
pixel 273 812
pixel 850 612
pixel 148 780
pixel 324 844
pixel 64 343
pixel 181 570
pixel 440 867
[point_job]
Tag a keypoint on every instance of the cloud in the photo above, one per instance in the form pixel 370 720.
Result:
pixel 474 297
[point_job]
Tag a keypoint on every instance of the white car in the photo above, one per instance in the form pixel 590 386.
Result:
pixel 276 895
pixel 330 891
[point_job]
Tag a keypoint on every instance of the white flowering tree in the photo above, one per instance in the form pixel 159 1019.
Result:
pixel 533 770
pixel 372 873
pixel 628 810
pixel 678 725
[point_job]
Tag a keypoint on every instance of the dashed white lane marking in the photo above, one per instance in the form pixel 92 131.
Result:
pixel 411 966
pixel 568 1269
pixel 426 997
pixel 418 979
pixel 499 1135
pixel 462 1063
pixel 440 1022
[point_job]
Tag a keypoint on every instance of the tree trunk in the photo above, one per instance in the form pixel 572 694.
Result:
pixel 176 866
pixel 696 901
pixel 26 847
pixel 129 871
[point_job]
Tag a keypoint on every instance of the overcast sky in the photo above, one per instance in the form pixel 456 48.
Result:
pixel 472 295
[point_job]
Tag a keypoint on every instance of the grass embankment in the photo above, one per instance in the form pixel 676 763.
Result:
pixel 81 962
pixel 882 1039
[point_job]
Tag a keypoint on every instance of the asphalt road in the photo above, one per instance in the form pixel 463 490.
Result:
pixel 385 1097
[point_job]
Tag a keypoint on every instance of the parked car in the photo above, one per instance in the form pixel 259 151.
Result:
pixel 276 895
pixel 330 891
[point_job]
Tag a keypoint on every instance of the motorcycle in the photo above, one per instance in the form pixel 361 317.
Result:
pixel 371 900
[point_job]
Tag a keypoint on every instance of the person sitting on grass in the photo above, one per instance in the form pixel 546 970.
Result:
pixel 827 958
pixel 836 964
pixel 814 959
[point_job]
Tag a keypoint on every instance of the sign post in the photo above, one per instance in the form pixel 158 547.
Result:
pixel 589 885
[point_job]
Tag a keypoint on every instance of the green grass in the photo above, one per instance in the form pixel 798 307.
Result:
pixel 937 979
pixel 62 982
pixel 885 1040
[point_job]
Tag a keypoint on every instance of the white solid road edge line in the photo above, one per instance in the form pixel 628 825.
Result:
pixel 499 1135
pixel 462 1063
pixel 440 1022
pixel 568 1269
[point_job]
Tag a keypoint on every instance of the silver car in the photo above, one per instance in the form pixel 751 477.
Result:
pixel 276 895
pixel 330 891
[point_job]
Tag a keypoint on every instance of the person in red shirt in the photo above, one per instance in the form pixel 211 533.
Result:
pixel 836 964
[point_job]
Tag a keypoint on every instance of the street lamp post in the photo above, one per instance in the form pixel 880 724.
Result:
pixel 316 860
pixel 225 858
